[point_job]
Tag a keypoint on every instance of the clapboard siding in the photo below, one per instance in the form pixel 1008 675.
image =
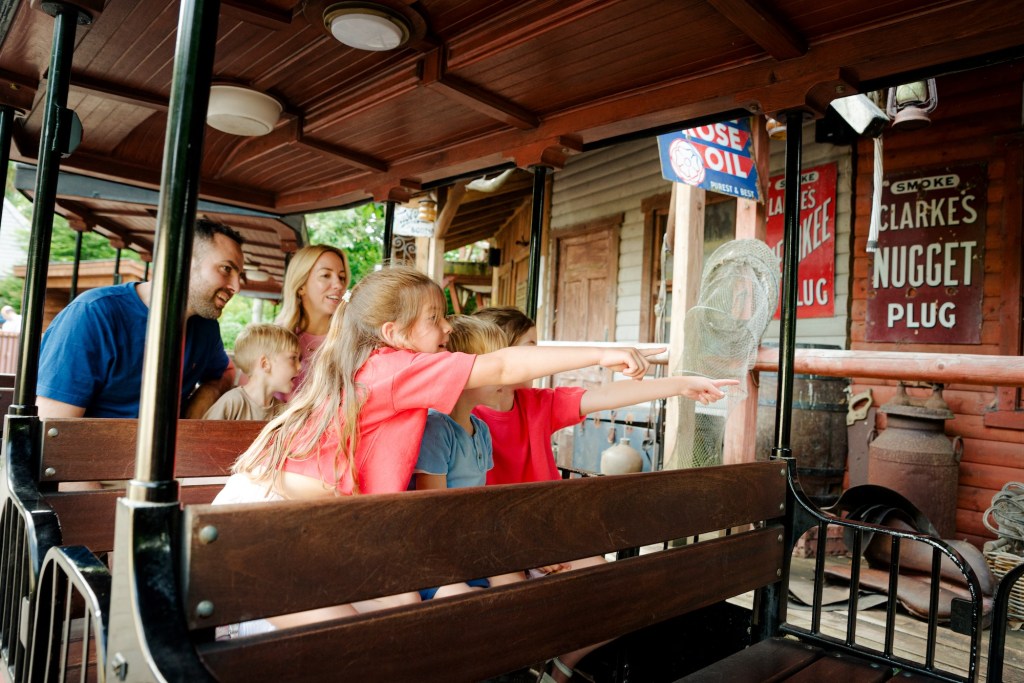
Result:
pixel 606 182
pixel 978 114
pixel 830 331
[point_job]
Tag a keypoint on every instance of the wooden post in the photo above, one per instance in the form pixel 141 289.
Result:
pixel 751 223
pixel 687 262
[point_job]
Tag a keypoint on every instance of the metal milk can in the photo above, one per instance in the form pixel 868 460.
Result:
pixel 914 457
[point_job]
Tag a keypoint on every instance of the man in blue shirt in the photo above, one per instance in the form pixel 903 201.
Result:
pixel 90 360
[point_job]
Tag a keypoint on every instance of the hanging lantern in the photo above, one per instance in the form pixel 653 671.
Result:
pixel 428 210
pixel 909 104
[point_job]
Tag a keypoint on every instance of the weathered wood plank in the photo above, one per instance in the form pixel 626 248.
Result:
pixel 350 550
pixel 91 449
pixel 579 607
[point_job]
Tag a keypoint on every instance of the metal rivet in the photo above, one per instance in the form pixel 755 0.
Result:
pixel 782 507
pixel 780 538
pixel 49 472
pixel 783 471
pixel 204 609
pixel 52 432
pixel 840 88
pixel 778 572
pixel 208 534
pixel 120 666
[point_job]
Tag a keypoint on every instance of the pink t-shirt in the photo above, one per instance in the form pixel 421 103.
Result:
pixel 401 386
pixel 521 437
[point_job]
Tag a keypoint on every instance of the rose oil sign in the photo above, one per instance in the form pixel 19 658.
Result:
pixel 817 257
pixel 925 281
pixel 716 157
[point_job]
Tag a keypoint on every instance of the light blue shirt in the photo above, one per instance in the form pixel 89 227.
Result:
pixel 447 449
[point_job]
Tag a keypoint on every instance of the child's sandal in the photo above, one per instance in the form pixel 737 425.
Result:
pixel 563 667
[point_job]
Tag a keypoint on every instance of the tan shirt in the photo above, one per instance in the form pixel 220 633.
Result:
pixel 236 405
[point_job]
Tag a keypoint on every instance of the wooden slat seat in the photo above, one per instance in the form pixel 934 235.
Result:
pixel 369 546
pixel 76 450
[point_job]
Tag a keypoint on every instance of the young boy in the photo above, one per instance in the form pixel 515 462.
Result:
pixel 456 448
pixel 269 356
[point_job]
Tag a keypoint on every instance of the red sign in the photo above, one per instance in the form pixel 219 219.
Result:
pixel 925 281
pixel 816 289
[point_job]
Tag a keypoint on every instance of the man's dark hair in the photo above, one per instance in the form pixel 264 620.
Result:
pixel 206 229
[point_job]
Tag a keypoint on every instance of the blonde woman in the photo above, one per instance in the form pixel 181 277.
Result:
pixel 316 281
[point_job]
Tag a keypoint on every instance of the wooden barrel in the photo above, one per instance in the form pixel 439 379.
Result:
pixel 818 429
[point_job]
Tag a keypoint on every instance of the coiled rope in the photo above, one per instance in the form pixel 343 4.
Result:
pixel 1007 513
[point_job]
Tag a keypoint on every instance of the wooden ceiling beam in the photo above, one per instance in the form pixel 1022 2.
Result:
pixel 350 157
pixel 257 13
pixel 122 234
pixel 763 26
pixel 487 103
pixel 864 56
pixel 516 25
pixel 111 169
pixel 109 90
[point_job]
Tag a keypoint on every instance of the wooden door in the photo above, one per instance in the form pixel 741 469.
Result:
pixel 587 275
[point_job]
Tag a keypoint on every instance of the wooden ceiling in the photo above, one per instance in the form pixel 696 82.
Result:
pixel 487 83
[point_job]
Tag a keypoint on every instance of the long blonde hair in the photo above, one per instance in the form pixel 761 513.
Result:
pixel 329 397
pixel 292 316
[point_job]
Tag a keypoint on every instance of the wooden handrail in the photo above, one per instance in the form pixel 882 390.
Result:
pixel 948 368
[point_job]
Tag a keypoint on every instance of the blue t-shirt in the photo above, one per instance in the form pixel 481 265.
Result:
pixel 91 355
pixel 447 449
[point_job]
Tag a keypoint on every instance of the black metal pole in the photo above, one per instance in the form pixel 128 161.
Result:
pixel 65 19
pixel 389 230
pixel 790 267
pixel 6 128
pixel 117 267
pixel 176 212
pixel 74 267
pixel 145 271
pixel 540 175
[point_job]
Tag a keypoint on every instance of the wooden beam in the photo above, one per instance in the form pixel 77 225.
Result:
pixel 256 13
pixel 751 223
pixel 948 368
pixel 248 150
pixel 110 226
pixel 687 263
pixel 476 98
pixel 117 92
pixel 350 157
pixel 764 27
pixel 450 208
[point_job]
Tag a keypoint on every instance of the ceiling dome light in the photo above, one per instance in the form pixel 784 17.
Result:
pixel 242 111
pixel 366 26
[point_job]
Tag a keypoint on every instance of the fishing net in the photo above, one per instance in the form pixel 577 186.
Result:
pixel 738 295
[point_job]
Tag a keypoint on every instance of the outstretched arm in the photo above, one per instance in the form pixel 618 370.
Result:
pixel 517 364
pixel 627 393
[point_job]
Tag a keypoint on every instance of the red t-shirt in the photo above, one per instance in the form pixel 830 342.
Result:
pixel 400 386
pixel 521 437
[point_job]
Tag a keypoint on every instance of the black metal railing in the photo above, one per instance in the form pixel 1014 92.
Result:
pixel 965 613
pixel 68 632
pixel 1000 615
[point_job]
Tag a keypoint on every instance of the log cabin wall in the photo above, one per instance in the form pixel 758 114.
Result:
pixel 513 239
pixel 978 121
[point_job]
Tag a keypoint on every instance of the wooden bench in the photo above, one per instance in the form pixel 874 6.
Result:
pixel 246 562
pixel 36 516
pixel 76 451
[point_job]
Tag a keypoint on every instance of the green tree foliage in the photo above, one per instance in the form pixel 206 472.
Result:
pixel 358 231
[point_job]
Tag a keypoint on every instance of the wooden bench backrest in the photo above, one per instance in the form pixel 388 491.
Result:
pixel 288 557
pixel 103 449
